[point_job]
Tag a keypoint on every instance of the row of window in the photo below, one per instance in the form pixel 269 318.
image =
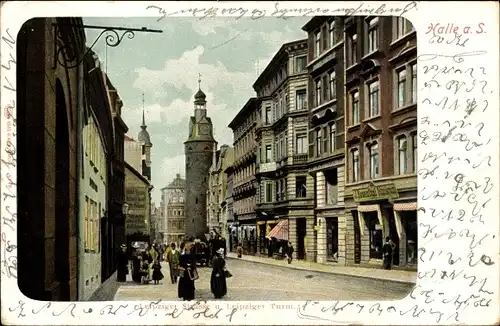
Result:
pixel 245 144
pixel 325 88
pixel 176 199
pixel 244 173
pixel 91 231
pixel 401 27
pixel 325 39
pixel 275 81
pixel 325 140
pixel 244 205
pixel 175 212
pixel 175 226
pixel 279 188
pixel 276 110
pixel 406 158
pixel 247 122
pixel 93 145
pixel 406 85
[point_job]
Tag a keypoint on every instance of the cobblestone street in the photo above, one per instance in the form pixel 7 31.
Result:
pixel 254 281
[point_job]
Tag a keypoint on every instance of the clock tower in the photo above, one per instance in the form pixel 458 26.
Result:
pixel 198 149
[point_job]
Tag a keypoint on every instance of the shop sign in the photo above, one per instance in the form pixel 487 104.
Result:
pixel 376 192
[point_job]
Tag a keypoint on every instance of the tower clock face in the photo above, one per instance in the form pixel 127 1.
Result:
pixel 204 129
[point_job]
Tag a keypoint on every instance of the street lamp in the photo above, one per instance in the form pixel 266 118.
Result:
pixel 125 209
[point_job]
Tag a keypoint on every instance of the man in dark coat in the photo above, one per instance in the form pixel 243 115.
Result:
pixel 122 268
pixel 387 250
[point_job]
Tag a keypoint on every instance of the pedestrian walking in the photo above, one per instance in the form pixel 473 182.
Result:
pixel 188 274
pixel 157 274
pixel 218 278
pixel 122 268
pixel 387 250
pixel 239 250
pixel 136 267
pixel 289 252
pixel 173 263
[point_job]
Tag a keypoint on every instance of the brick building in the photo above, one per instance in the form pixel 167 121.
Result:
pixel 381 143
pixel 326 134
pixel 242 174
pixel 286 190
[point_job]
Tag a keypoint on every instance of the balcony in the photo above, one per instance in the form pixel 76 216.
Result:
pixel 299 158
pixel 267 167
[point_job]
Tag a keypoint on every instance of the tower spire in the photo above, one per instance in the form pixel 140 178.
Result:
pixel 143 119
pixel 199 81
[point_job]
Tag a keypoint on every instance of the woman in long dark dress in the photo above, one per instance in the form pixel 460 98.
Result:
pixel 136 267
pixel 218 279
pixel 187 266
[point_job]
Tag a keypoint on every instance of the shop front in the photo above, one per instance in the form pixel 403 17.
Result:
pixel 330 237
pixel 264 228
pixel 405 214
pixel 375 221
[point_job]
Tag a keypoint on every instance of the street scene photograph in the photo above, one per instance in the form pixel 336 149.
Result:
pixel 217 159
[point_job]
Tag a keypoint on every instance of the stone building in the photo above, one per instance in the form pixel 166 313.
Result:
pixel 381 138
pixel 217 191
pixel 173 199
pixel 47 218
pixel 137 196
pixel 133 153
pixel 285 199
pixel 95 246
pixel 198 149
pixel 326 134
pixel 242 172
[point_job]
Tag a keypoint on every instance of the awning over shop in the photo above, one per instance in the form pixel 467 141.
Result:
pixel 365 209
pixel 280 231
pixel 402 207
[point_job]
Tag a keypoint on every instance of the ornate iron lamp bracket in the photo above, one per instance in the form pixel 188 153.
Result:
pixel 113 38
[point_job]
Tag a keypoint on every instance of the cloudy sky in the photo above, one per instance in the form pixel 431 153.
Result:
pixel 165 67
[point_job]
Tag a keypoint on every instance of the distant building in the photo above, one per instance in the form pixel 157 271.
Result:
pixel 198 149
pixel 173 199
pixel 137 195
pixel 217 191
pixel 138 152
pixel 133 153
pixel 242 177
pixel 158 223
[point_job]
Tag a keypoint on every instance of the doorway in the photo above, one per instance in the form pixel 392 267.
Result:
pixel 393 234
pixel 62 205
pixel 332 238
pixel 357 238
pixel 301 235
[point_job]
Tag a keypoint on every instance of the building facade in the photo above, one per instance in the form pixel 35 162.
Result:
pixel 326 135
pixel 217 191
pixel 381 138
pixel 242 173
pixel 116 195
pixel 173 198
pixel 285 193
pixel 230 242
pixel 133 153
pixel 137 196
pixel 47 218
pixel 94 265
pixel 198 149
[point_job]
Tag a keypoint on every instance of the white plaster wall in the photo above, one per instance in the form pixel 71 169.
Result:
pixel 90 263
pixel 133 154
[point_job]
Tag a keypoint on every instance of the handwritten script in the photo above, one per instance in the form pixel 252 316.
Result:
pixel 8 161
pixel 282 12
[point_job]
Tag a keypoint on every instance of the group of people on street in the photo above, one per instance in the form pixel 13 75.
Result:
pixel 183 270
pixel 146 266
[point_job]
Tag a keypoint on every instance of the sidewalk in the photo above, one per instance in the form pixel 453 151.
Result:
pixel 399 276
